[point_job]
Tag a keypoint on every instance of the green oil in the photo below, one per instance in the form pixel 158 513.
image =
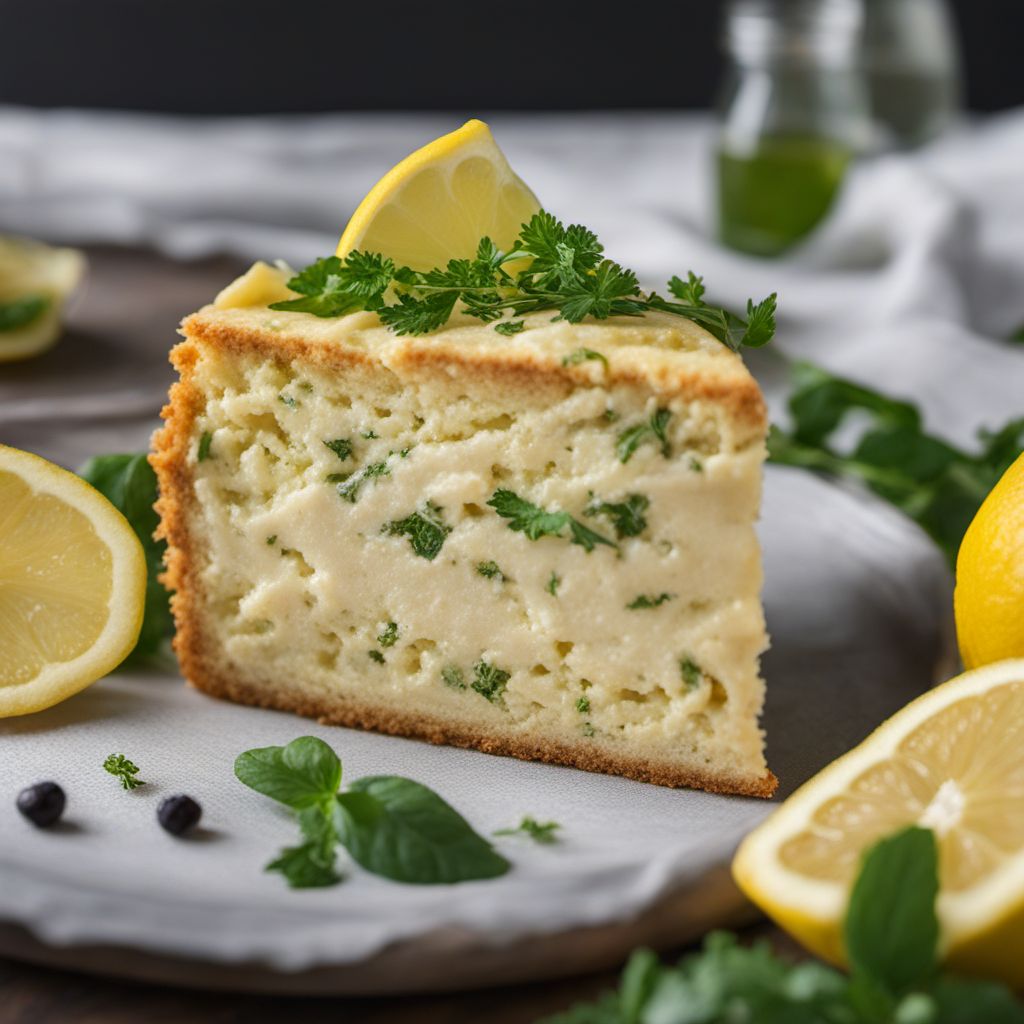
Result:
pixel 774 196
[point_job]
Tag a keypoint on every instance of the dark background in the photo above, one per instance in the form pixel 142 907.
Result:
pixel 248 56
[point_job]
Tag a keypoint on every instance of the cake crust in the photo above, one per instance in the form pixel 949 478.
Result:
pixel 204 669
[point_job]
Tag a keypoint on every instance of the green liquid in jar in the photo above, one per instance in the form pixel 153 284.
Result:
pixel 774 196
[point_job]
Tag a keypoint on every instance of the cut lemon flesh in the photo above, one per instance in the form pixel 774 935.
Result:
pixel 952 761
pixel 31 269
pixel 439 202
pixel 72 584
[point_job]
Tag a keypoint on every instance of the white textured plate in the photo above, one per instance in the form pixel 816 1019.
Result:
pixel 858 604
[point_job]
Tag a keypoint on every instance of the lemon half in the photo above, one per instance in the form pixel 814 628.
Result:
pixel 439 202
pixel 952 761
pixel 72 584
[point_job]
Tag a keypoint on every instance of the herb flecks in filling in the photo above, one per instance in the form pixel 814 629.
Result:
pixel 425 528
pixel 535 522
pixel 649 601
pixel 653 429
pixel 627 517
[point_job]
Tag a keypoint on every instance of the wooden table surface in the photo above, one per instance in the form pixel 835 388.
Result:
pixel 132 303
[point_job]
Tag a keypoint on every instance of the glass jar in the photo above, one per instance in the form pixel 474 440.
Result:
pixel 912 63
pixel 794 111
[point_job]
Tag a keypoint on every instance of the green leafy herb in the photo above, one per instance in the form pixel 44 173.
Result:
pixel 490 570
pixel 553 583
pixel 272 539
pixel 627 517
pixel 938 485
pixel 583 705
pixel 510 327
pixel 561 269
pixel 341 446
pixel 376 656
pixel 539 832
pixel 129 484
pixel 391 826
pixel 288 400
pixel 489 681
pixel 453 677
pixel 388 637
pixel 203 452
pixel 891 932
pixel 351 485
pixel 581 355
pixel 535 522
pixel 404 831
pixel 690 672
pixel 425 528
pixel 124 770
pixel 654 429
pixel 21 312
pixel 334 287
pixel 649 601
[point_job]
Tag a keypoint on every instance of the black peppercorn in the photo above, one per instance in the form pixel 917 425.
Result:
pixel 178 814
pixel 42 804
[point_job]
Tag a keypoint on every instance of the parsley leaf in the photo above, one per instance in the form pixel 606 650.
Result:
pixel 654 429
pixel 425 528
pixel 334 287
pixel 539 832
pixel 550 267
pixel 553 583
pixel 649 601
pixel 627 517
pixel 376 656
pixel 453 677
pixel 490 570
pixel 581 355
pixel 490 681
pixel 21 312
pixel 937 484
pixel 535 522
pixel 351 485
pixel 341 446
pixel 583 705
pixel 203 451
pixel 690 671
pixel 124 770
pixel 129 484
pixel 388 637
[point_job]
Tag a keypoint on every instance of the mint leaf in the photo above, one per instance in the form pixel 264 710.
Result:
pixel 404 831
pixel 21 312
pixel 129 484
pixel 425 528
pixel 891 929
pixel 305 773
pixel 311 865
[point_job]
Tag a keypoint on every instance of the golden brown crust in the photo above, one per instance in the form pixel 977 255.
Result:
pixel 735 390
pixel 170 460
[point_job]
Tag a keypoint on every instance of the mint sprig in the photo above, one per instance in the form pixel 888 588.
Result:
pixel 391 826
pixel 550 267
pixel 891 933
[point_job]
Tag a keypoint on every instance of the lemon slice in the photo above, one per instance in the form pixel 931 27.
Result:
pixel 439 202
pixel 952 761
pixel 35 282
pixel 72 584
pixel 990 576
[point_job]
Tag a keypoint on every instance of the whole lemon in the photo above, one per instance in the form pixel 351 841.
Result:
pixel 989 598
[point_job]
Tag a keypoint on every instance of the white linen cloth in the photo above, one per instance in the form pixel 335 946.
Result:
pixel 908 287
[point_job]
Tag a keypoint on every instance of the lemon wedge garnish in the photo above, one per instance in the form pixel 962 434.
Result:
pixel 38 279
pixel 72 584
pixel 439 202
pixel 952 761
pixel 990 576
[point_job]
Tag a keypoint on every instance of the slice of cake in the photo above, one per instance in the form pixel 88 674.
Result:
pixel 538 543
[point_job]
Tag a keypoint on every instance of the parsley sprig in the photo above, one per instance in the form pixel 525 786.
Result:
pixel 550 267
pixel 937 484
pixel 536 522
pixel 123 770
pixel 891 933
